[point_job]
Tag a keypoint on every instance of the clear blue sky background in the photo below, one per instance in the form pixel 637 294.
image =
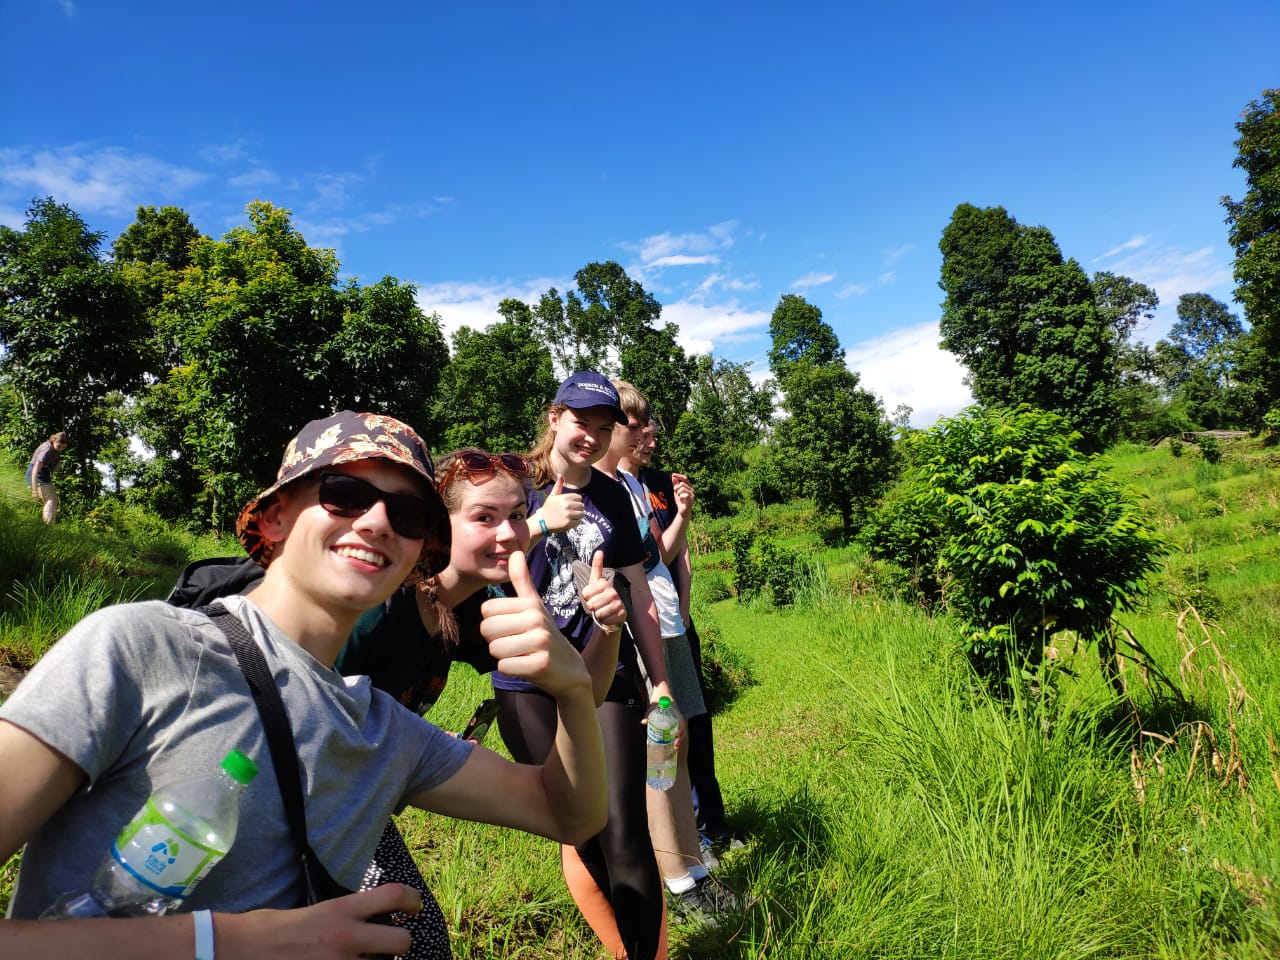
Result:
pixel 725 153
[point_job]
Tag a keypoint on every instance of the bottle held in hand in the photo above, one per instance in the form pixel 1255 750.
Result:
pixel 168 847
pixel 662 728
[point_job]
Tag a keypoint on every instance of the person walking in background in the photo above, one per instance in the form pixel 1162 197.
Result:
pixel 46 459
pixel 713 829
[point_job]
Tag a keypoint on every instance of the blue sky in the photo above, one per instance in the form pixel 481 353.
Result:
pixel 724 153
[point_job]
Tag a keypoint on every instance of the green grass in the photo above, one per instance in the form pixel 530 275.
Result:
pixel 894 811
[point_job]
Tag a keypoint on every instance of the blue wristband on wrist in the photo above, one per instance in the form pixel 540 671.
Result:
pixel 543 525
pixel 204 934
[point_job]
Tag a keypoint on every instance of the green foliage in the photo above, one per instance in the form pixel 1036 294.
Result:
pixel 727 418
pixel 799 334
pixel 1254 222
pixel 1024 321
pixel 835 442
pixel 764 569
pixel 1029 537
pixel 1210 449
pixel 494 389
pixel 71 334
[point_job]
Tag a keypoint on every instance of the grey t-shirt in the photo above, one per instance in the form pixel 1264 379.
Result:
pixel 144 694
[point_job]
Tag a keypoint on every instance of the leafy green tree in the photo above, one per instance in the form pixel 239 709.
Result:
pixel 1024 532
pixel 1197 363
pixel 386 356
pixel 1024 322
pixel 835 441
pixel 72 334
pixel 1125 305
pixel 798 333
pixel 1254 222
pixel 495 388
pixel 611 324
pixel 257 339
pixel 728 415
pixel 163 236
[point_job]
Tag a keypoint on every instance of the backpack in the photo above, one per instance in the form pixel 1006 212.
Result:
pixel 204 581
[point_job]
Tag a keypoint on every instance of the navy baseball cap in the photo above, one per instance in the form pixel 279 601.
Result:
pixel 586 388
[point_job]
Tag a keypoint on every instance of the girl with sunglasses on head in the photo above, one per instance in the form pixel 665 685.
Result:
pixel 620 860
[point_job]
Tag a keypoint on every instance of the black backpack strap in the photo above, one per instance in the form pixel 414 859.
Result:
pixel 318 884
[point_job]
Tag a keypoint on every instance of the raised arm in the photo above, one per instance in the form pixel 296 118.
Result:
pixel 564 797
pixel 673 539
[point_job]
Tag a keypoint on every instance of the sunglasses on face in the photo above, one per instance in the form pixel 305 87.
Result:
pixel 343 495
pixel 481 466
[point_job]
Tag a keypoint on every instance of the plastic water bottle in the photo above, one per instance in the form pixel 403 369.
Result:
pixel 168 847
pixel 663 726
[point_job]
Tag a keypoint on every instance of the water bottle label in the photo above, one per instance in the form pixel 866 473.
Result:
pixel 663 735
pixel 161 856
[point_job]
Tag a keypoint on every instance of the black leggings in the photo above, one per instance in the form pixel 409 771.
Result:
pixel 620 858
pixel 702 756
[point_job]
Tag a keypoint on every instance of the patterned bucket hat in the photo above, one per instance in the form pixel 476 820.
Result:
pixel 342 438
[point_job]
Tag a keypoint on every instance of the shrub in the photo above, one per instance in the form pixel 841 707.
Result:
pixel 1211 450
pixel 1029 534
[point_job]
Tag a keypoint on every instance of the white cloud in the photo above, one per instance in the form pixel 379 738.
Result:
pixel 894 254
pixel 683 260
pixel 1171 272
pixel 704 327
pixel 907 366
pixel 253 179
pixel 1133 243
pixel 95 180
pixel 812 279
pixel 475 304
pixel 851 290
pixel 661 246
pixel 886 278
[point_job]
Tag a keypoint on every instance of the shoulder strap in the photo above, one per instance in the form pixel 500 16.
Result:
pixel 317 882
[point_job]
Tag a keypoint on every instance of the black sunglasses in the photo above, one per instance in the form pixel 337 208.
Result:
pixel 346 496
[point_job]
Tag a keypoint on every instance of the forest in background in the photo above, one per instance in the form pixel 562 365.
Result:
pixel 180 364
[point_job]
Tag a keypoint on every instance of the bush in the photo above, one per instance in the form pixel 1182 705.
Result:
pixel 1211 450
pixel 1030 535
pixel 762 568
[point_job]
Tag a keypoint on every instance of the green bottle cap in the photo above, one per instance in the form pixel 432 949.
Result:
pixel 239 767
pixel 664 703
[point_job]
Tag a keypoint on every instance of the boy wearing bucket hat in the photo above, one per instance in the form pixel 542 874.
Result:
pixel 143 694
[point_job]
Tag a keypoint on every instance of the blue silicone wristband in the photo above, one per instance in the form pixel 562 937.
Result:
pixel 543 525
pixel 204 934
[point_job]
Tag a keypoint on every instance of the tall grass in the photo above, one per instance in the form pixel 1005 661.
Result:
pixel 893 811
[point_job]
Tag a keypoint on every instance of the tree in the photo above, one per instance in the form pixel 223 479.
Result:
pixel 728 415
pixel 1023 531
pixel 495 388
pixel 1024 321
pixel 386 356
pixel 161 236
pixel 258 339
pixel 835 440
pixel 1197 362
pixel 1254 223
pixel 72 334
pixel 1125 305
pixel 798 333
pixel 610 324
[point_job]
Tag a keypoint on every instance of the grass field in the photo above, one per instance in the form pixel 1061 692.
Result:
pixel 892 809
